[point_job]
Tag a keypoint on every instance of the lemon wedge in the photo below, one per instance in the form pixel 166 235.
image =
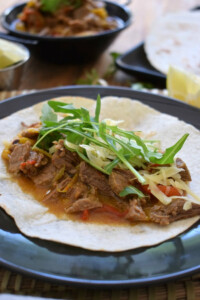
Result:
pixel 10 54
pixel 184 86
pixel 5 60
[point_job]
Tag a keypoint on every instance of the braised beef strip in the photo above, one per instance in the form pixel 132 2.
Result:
pixel 165 214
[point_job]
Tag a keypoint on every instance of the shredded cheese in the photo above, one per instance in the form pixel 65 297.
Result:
pixel 169 176
pixel 182 185
pixel 71 145
pixel 98 155
pixel 187 205
pixel 158 194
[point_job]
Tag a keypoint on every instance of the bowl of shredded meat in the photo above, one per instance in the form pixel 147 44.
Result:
pixel 67 30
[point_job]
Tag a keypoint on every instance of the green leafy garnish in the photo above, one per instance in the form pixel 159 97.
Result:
pixel 52 5
pixel 98 109
pixel 112 69
pixel 49 5
pixel 168 156
pixel 141 85
pixel 100 144
pixel 91 78
pixel 110 141
pixel 129 190
pixel 48 114
pixel 65 108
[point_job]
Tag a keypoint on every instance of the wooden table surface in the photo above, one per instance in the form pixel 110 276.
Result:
pixel 39 74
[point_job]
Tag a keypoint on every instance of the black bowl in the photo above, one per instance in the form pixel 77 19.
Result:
pixel 69 49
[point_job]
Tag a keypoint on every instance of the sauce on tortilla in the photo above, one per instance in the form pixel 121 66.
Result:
pixel 59 207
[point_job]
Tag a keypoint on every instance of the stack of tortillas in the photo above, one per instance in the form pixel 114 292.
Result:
pixel 175 40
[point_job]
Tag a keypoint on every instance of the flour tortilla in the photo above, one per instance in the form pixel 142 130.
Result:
pixel 174 40
pixel 34 220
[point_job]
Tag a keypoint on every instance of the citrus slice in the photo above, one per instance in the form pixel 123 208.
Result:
pixel 184 86
pixel 5 60
pixel 10 53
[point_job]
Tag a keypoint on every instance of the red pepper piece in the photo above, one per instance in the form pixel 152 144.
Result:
pixel 111 209
pixel 31 162
pixel 154 165
pixel 167 190
pixel 146 189
pixel 85 215
pixel 22 165
pixel 28 162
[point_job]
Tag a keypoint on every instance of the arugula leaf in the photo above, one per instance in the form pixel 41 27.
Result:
pixel 168 156
pixel 142 148
pixel 47 114
pixel 133 150
pixel 48 125
pixel 109 141
pixel 46 142
pixel 52 5
pixel 86 136
pixel 74 138
pixel 131 190
pixel 85 116
pixel 98 109
pixel 109 167
pixel 139 146
pixel 65 108
pixel 65 128
pixel 47 133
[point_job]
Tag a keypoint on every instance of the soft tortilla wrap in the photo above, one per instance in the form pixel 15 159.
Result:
pixel 34 220
pixel 174 40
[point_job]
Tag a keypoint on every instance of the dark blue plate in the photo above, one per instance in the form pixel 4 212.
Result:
pixel 70 265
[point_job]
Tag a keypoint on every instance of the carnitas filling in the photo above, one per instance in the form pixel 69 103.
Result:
pixel 94 171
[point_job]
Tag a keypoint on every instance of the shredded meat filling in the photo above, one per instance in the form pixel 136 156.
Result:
pixel 64 158
pixel 85 188
pixel 26 160
pixel 136 212
pixel 185 174
pixel 19 155
pixel 119 179
pixel 166 214
pixel 93 177
pixel 84 203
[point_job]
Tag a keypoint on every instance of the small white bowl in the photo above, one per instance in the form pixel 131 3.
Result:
pixel 10 76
